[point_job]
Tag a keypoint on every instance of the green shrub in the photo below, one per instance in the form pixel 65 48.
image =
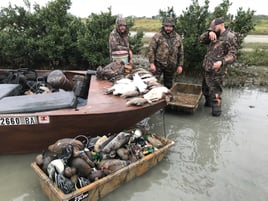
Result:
pixel 93 38
pixel 256 57
pixel 47 37
pixel 136 42
pixel 50 37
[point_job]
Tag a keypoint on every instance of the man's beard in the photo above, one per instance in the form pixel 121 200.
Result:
pixel 218 33
pixel 168 31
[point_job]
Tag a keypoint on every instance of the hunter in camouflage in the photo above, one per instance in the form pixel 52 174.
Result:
pixel 166 53
pixel 119 42
pixel 222 50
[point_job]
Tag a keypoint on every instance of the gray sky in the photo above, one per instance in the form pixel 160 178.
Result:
pixel 140 8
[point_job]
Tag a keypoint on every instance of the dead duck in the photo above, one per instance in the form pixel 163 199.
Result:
pixel 55 166
pixel 95 175
pixel 112 71
pixel 137 101
pixel 112 165
pixel 60 145
pixel 82 168
pixel 42 160
pixel 129 94
pixel 156 93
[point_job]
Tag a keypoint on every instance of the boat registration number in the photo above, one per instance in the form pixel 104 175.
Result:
pixel 27 120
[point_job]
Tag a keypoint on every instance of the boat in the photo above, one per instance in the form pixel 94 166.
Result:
pixel 29 125
pixel 186 97
pixel 103 186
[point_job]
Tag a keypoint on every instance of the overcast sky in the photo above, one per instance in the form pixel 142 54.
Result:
pixel 140 8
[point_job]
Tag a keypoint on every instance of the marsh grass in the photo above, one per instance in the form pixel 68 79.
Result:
pixel 146 25
pixel 261 27
pixel 262 46
pixel 256 57
pixel 256 54
pixel 153 25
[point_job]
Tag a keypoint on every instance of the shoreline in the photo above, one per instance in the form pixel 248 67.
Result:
pixel 239 75
pixel 247 39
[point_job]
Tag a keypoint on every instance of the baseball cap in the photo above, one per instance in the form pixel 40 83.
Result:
pixel 215 22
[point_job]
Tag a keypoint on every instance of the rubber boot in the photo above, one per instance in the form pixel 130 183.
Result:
pixel 216 106
pixel 208 101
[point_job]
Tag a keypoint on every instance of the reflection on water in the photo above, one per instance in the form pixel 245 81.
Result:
pixel 214 158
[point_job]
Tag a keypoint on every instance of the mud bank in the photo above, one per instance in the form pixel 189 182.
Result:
pixel 239 75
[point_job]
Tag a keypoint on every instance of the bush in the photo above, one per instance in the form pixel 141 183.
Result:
pixel 257 57
pixel 45 37
pixel 51 37
pixel 136 42
pixel 93 38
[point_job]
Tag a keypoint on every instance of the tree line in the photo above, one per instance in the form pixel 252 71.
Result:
pixel 49 37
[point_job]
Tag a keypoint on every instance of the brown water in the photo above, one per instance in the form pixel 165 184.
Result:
pixel 213 159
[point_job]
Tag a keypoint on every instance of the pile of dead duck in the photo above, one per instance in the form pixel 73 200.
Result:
pixel 137 85
pixel 73 163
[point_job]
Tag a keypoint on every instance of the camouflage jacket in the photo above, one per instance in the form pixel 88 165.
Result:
pixel 166 49
pixel 118 41
pixel 223 49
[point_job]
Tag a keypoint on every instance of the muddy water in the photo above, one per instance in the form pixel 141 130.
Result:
pixel 224 158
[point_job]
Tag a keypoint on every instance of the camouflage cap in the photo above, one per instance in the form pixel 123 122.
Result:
pixel 120 21
pixel 215 22
pixel 168 21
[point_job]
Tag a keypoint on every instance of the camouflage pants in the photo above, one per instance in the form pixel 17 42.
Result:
pixel 212 90
pixel 167 72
